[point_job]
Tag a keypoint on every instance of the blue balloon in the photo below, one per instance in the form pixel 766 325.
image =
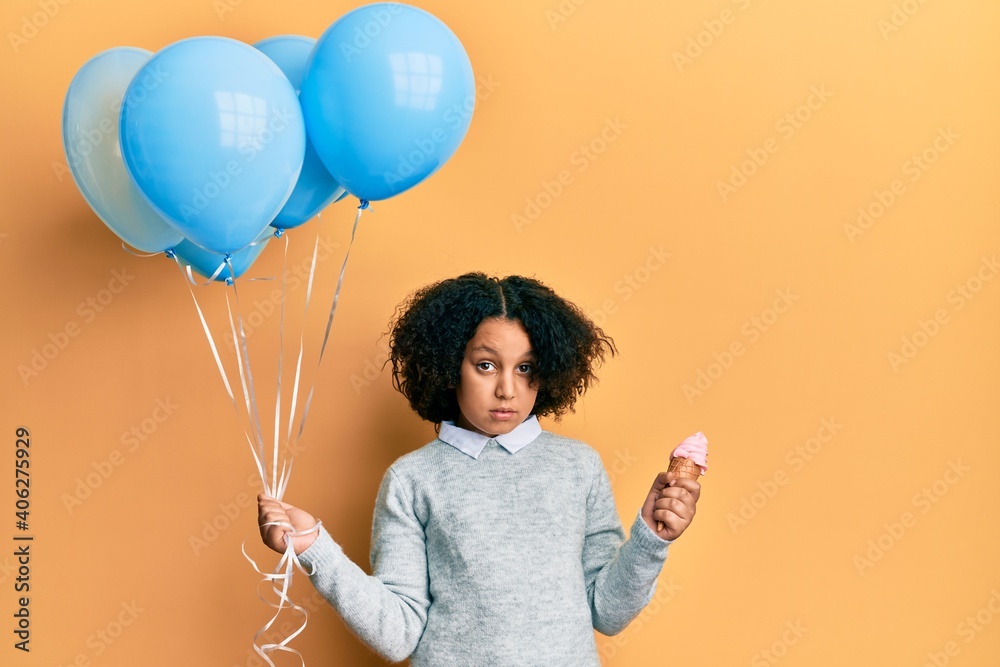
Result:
pixel 387 98
pixel 316 188
pixel 213 135
pixel 210 264
pixel 90 138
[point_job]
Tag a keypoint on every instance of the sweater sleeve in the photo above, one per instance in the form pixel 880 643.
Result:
pixel 387 610
pixel 620 577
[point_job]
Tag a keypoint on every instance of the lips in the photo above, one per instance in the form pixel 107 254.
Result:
pixel 503 413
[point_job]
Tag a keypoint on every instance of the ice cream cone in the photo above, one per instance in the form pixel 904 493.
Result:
pixel 684 468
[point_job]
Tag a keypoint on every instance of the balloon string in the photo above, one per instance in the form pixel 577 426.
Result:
pixel 281 355
pixel 333 310
pixel 246 351
pixel 188 280
pixel 305 313
pixel 246 381
pixel 135 252
pixel 282 574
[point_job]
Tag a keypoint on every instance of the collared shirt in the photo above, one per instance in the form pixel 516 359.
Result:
pixel 472 443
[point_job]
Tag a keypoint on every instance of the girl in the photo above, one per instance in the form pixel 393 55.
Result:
pixel 498 543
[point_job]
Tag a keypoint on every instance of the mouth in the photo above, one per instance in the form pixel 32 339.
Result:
pixel 503 413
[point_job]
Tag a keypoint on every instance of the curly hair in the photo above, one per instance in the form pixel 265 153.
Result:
pixel 429 332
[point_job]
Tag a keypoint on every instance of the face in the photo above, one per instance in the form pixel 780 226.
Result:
pixel 496 392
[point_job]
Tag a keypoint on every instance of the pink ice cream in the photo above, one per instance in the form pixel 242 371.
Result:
pixel 695 448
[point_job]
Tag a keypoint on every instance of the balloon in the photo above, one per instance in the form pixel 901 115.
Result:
pixel 213 135
pixel 207 263
pixel 387 98
pixel 93 153
pixel 316 188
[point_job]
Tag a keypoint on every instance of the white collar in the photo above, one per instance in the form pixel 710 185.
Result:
pixel 472 443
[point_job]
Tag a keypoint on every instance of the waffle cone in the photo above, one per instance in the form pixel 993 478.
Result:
pixel 684 468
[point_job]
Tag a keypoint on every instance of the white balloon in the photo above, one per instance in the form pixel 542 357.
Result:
pixel 93 150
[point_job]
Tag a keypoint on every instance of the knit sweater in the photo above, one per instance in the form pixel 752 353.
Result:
pixel 501 560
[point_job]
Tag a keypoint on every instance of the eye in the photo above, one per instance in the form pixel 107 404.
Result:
pixel 526 369
pixel 485 366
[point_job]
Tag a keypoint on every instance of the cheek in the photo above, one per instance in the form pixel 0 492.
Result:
pixel 530 389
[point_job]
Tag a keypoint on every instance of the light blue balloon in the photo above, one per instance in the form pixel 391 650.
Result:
pixel 212 133
pixel 207 263
pixel 90 138
pixel 316 188
pixel 387 97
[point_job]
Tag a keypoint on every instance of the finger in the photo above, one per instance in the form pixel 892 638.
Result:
pixel 659 484
pixel 275 536
pixel 678 493
pixel 681 511
pixel 266 504
pixel 275 517
pixel 691 485
pixel 676 506
pixel 671 520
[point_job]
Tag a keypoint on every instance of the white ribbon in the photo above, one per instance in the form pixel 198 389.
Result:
pixel 282 574
pixel 275 484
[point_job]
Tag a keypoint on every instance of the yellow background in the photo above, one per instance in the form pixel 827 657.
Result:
pixel 843 558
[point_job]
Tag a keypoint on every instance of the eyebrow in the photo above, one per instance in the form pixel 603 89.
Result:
pixel 486 348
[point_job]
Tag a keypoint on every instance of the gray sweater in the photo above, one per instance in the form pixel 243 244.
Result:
pixel 501 560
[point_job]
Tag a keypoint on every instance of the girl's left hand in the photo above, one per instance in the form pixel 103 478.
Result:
pixel 672 502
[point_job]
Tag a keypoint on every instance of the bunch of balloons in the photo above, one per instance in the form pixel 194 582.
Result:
pixel 208 147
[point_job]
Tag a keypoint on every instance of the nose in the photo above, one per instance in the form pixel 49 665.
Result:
pixel 505 385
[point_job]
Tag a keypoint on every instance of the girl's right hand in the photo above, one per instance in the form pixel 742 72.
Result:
pixel 271 511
